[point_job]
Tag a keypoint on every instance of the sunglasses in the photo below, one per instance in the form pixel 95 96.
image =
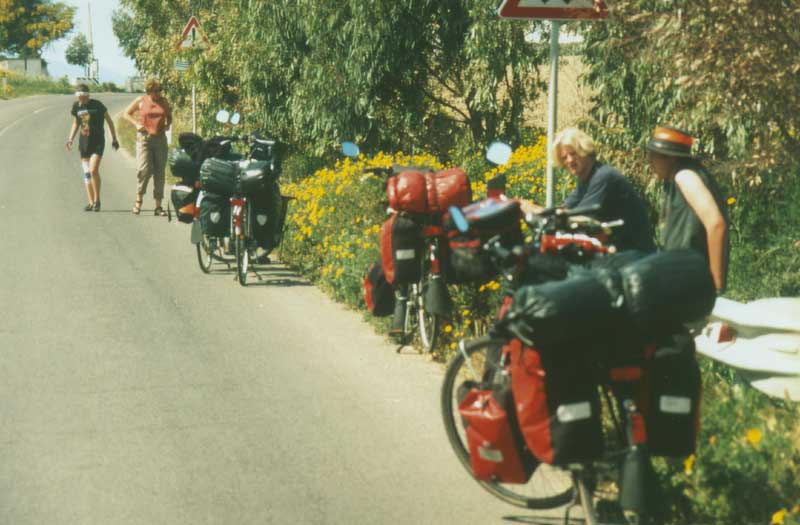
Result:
pixel 81 94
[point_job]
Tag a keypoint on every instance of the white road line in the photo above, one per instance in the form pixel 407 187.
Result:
pixel 42 109
pixel 2 131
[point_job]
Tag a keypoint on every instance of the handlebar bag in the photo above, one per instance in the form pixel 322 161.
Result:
pixel 182 166
pixel 407 191
pixel 496 449
pixel 669 396
pixel 183 199
pixel 254 178
pixel 557 404
pixel 378 293
pixel 215 212
pixel 668 288
pixel 219 176
pixel 466 261
pixel 402 249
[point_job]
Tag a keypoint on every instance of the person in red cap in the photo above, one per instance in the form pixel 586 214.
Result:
pixel 693 214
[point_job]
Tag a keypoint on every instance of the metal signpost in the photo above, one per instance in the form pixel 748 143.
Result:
pixel 555 11
pixel 192 37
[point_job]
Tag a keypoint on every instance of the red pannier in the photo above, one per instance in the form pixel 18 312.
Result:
pixel 558 406
pixel 496 450
pixel 378 293
pixel 428 193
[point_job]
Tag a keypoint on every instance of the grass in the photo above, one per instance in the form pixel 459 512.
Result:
pixel 13 85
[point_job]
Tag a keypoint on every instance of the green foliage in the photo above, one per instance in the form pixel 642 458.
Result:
pixel 78 52
pixel 26 26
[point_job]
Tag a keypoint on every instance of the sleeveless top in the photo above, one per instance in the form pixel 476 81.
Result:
pixel 153 115
pixel 680 225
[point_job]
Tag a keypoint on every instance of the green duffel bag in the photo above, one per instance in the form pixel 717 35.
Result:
pixel 219 176
pixel 215 213
pixel 182 166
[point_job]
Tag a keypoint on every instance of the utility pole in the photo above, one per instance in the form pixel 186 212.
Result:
pixel 94 67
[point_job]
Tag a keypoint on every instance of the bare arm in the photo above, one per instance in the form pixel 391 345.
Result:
pixel 705 207
pixel 528 206
pixel 71 135
pixel 130 111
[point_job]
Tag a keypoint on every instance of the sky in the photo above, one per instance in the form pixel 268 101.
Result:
pixel 114 66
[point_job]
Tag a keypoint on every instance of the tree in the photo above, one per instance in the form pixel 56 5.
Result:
pixel 78 52
pixel 26 26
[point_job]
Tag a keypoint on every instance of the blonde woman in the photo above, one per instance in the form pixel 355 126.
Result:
pixel 155 117
pixel 600 184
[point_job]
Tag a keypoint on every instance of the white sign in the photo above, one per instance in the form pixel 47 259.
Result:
pixel 192 36
pixel 554 9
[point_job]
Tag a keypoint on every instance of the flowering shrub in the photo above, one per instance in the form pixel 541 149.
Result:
pixel 333 226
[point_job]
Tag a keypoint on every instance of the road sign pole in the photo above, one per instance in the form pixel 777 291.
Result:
pixel 552 108
pixel 194 109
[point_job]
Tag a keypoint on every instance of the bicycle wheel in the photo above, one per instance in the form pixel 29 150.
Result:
pixel 549 487
pixel 427 322
pixel 242 260
pixel 205 253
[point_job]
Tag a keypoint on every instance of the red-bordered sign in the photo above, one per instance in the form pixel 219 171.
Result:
pixel 192 36
pixel 554 9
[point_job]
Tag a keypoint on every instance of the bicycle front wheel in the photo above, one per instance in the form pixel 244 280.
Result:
pixel 549 487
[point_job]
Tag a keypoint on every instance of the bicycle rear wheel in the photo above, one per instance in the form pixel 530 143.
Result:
pixel 427 322
pixel 549 486
pixel 205 253
pixel 242 260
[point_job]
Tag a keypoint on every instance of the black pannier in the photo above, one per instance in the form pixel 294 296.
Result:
pixel 577 309
pixel 402 249
pixel 669 396
pixel 266 215
pixel 378 293
pixel 182 166
pixel 666 289
pixel 219 176
pixel 466 261
pixel 183 200
pixel 215 212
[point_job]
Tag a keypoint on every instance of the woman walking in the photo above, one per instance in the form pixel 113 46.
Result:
pixel 155 117
pixel 89 115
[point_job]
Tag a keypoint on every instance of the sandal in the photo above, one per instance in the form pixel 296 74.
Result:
pixel 137 207
pixel 159 212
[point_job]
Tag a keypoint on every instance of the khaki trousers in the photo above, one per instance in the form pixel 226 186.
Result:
pixel 151 161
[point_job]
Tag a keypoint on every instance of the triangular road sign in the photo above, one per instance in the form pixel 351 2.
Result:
pixel 192 36
pixel 554 9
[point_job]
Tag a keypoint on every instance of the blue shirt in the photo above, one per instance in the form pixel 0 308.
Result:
pixel 618 199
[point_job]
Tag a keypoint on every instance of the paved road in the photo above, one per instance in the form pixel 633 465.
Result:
pixel 135 389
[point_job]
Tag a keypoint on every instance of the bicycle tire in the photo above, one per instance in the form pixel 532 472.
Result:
pixel 242 261
pixel 427 323
pixel 549 487
pixel 205 254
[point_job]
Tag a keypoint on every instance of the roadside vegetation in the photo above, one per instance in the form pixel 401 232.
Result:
pixel 438 81
pixel 13 85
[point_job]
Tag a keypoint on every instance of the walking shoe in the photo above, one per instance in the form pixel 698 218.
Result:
pixel 89 207
pixel 96 206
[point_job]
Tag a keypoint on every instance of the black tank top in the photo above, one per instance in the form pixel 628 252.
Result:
pixel 680 225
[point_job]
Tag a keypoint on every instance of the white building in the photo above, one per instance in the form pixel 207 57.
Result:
pixel 31 67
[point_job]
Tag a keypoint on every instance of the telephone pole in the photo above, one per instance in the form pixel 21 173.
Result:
pixel 94 66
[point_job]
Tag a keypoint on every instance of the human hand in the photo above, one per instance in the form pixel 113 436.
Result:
pixel 115 144
pixel 69 145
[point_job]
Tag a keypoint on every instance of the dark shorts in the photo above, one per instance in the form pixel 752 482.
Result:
pixel 91 147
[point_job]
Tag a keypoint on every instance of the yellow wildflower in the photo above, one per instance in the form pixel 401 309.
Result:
pixel 754 436
pixel 778 517
pixel 688 464
pixel 339 272
pixel 731 200
pixel 448 329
